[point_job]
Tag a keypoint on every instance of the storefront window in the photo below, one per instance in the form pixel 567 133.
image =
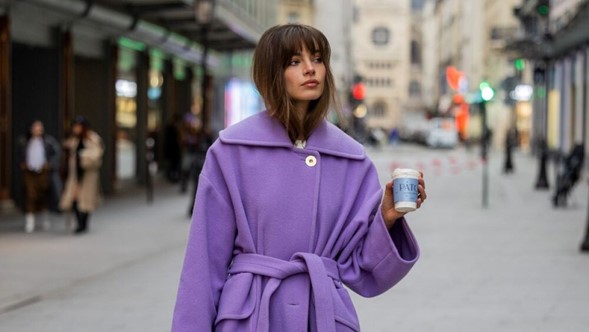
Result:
pixel 154 92
pixel 241 101
pixel 126 110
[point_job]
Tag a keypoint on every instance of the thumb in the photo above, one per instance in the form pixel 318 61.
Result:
pixel 388 198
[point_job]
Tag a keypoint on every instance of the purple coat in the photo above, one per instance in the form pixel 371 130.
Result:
pixel 277 230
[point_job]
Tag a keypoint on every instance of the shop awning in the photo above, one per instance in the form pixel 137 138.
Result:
pixel 169 25
pixel 231 27
pixel 566 38
pixel 575 33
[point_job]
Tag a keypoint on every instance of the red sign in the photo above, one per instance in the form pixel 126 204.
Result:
pixel 454 76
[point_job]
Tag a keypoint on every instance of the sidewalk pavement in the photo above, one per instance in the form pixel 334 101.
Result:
pixel 105 270
pixel 513 266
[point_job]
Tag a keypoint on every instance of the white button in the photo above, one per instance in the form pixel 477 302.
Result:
pixel 311 161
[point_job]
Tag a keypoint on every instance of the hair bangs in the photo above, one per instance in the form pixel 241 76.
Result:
pixel 299 37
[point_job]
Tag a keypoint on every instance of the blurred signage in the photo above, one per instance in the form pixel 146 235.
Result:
pixel 456 79
pixel 126 88
pixel 522 92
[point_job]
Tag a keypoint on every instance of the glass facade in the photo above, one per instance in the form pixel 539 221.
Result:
pixel 126 109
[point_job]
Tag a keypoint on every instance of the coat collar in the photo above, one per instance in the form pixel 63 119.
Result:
pixel 262 130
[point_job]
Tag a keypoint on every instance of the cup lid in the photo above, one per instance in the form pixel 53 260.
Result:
pixel 405 172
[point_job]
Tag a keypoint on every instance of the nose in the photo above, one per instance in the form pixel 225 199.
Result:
pixel 309 68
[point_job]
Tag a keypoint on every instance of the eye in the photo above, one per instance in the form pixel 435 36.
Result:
pixel 293 62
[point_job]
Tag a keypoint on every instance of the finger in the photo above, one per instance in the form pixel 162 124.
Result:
pixel 389 186
pixel 388 192
pixel 387 200
pixel 422 193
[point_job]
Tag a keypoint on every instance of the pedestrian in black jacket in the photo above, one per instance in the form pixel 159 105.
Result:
pixel 39 159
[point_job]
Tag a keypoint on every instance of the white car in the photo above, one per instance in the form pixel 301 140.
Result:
pixel 442 133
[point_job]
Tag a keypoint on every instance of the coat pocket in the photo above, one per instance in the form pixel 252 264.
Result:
pixel 345 314
pixel 237 300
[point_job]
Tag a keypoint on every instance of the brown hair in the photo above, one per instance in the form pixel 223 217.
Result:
pixel 84 123
pixel 271 57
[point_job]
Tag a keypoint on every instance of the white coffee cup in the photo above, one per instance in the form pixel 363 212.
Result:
pixel 405 189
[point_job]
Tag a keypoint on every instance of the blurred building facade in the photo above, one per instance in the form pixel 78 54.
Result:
pixel 467 37
pixel 381 58
pixel 534 53
pixel 296 11
pixel 553 38
pixel 128 67
pixel 416 103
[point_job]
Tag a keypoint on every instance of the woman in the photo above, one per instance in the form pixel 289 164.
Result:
pixel 288 208
pixel 81 193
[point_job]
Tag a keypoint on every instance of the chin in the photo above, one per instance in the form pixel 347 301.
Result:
pixel 311 96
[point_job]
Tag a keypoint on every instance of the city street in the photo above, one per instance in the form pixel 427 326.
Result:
pixel 512 266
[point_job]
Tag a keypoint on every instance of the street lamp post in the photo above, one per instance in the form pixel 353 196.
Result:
pixel 204 14
pixel 486 94
pixel 484 152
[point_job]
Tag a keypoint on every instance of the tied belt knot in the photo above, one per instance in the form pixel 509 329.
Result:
pixel 321 271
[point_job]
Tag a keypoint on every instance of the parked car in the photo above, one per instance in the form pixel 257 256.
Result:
pixel 442 133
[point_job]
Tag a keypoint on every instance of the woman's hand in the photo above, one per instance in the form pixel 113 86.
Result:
pixel 68 144
pixel 389 214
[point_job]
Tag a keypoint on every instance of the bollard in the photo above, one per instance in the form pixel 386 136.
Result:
pixel 151 166
pixel 542 181
pixel 510 143
pixel 485 138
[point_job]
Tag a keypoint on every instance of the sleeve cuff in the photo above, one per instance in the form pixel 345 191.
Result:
pixel 397 242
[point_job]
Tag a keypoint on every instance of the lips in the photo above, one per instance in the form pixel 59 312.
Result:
pixel 311 83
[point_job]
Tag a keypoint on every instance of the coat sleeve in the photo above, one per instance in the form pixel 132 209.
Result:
pixel 91 155
pixel 375 258
pixel 208 254
pixel 54 156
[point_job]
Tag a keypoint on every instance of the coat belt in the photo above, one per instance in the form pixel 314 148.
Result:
pixel 321 271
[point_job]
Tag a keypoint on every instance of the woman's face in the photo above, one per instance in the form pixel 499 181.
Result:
pixel 77 129
pixel 304 78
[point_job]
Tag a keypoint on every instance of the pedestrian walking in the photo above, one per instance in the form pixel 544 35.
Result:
pixel 39 156
pixel 205 140
pixel 172 148
pixel 569 175
pixel 289 208
pixel 81 195
pixel 511 139
pixel 189 145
